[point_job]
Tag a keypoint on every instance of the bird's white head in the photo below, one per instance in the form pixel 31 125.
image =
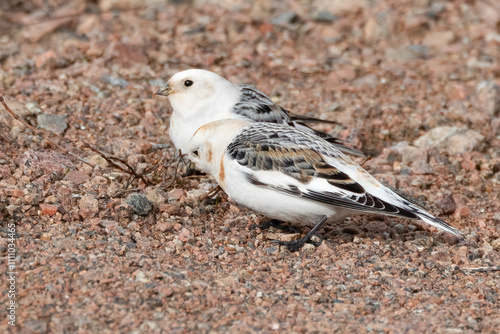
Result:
pixel 192 90
pixel 209 143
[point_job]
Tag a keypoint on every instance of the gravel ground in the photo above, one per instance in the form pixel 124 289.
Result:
pixel 414 83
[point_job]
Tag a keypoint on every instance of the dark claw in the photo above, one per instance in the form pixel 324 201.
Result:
pixel 296 245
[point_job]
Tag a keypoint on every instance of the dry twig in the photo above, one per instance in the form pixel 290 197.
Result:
pixel 40 133
pixel 482 269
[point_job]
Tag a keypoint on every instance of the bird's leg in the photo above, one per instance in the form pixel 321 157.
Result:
pixel 295 245
pixel 211 193
pixel 367 158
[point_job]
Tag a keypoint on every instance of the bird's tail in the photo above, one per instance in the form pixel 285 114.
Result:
pixel 438 223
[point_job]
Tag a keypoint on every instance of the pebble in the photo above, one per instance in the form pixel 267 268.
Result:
pixel 308 248
pixel 107 5
pixel 52 122
pixel 370 80
pixel 48 209
pixel 157 196
pixel 462 212
pixel 76 176
pixel 436 39
pixel 324 17
pixel 337 6
pixel 454 139
pixel 114 81
pixel 447 204
pixel 43 58
pixel 88 205
pixel 285 18
pixel 139 204
pixel 176 193
pixel 488 97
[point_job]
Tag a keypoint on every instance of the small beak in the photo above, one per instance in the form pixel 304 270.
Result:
pixel 164 91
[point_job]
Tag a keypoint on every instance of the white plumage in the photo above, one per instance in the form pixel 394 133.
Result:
pixel 199 97
pixel 291 175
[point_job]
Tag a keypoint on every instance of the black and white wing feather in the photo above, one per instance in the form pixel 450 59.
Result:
pixel 317 171
pixel 258 107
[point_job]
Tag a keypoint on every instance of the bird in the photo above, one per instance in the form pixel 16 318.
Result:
pixel 199 97
pixel 291 175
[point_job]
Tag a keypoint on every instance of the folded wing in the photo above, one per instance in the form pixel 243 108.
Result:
pixel 258 107
pixel 294 162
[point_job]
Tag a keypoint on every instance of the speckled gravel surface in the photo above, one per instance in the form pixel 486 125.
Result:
pixel 415 84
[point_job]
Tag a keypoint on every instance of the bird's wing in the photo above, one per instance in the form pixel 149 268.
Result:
pixel 258 107
pixel 271 154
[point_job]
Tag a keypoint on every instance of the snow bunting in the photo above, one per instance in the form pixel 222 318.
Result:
pixel 291 175
pixel 199 97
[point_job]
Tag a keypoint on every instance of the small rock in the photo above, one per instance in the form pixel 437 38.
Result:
pixel 108 224
pixel 337 6
pixel 114 81
pixel 324 17
pixel 436 39
pixel 488 97
pixel 462 212
pixel 282 236
pixel 33 198
pixel 48 209
pixel 107 5
pixel 170 209
pixel 17 107
pixel 76 176
pixel 12 192
pixel 157 196
pixel 176 193
pixel 193 196
pixel 421 167
pixel 454 139
pixel 97 160
pixel 410 154
pixel 340 73
pixel 400 228
pixel 51 122
pixel 227 281
pixel 447 204
pixel 308 248
pixel 441 257
pixel 420 50
pixel 285 18
pixel 125 54
pixel 370 80
pixel 185 235
pixel 140 276
pixel 401 55
pixel 5 171
pixel 139 204
pixel 88 205
pixel 157 82
pixel 7 49
pixel 43 58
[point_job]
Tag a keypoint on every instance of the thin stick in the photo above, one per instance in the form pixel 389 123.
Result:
pixel 482 269
pixel 110 159
pixel 40 133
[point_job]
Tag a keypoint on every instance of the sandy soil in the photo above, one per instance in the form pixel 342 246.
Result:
pixel 414 84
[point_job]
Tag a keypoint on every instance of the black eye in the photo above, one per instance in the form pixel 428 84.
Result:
pixel 195 153
pixel 188 83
